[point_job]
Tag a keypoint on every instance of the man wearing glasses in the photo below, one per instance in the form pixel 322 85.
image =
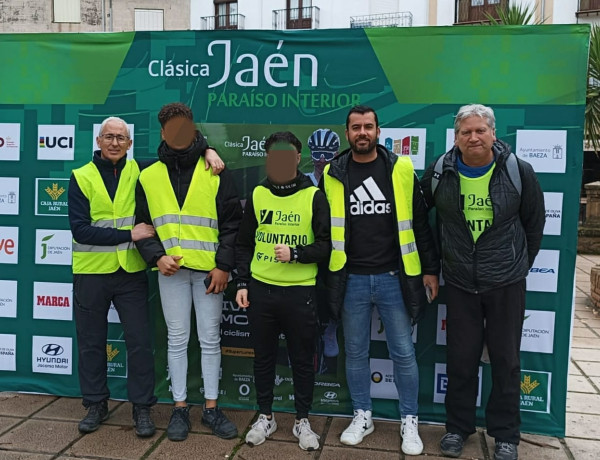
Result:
pixel 107 267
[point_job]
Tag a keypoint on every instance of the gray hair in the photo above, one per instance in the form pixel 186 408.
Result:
pixel 117 119
pixel 474 110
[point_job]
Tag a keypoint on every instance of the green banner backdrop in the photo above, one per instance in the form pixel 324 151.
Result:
pixel 55 89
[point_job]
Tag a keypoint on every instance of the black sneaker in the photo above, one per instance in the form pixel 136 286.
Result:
pixel 179 425
pixel 97 413
pixel 506 451
pixel 452 444
pixel 215 419
pixel 144 426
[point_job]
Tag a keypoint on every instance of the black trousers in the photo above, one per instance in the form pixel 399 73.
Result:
pixel 92 296
pixel 503 309
pixel 291 310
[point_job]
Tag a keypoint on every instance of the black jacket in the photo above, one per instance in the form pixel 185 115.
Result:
pixel 181 166
pixel 413 291
pixel 317 252
pixel 504 252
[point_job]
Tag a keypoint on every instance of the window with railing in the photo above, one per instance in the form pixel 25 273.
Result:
pixel 299 14
pixel 401 19
pixel 476 11
pixel 226 15
pixel 588 6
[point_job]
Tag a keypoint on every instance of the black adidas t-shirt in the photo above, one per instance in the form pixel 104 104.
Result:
pixel 373 240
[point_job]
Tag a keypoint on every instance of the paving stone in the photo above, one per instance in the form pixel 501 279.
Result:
pixel 44 436
pixel 573 370
pixel 586 342
pixel 583 449
pixel 161 414
pixel 583 426
pixel 352 453
pixel 585 354
pixel 596 381
pixel 591 369
pixel 385 437
pixel 584 332
pixel 113 442
pixel 24 456
pixel 583 403
pixel 579 384
pixel 7 422
pixel 276 450
pixel 548 448
pixel 68 409
pixel 196 446
pixel 23 405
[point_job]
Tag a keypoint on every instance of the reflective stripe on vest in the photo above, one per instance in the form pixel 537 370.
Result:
pixel 403 182
pixel 193 230
pixel 107 213
pixel 282 220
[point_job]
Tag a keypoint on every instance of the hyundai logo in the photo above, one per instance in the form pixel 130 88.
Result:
pixel 52 349
pixel 330 394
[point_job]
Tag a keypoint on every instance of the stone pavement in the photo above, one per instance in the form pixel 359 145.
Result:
pixel 41 427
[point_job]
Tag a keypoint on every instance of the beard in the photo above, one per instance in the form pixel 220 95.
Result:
pixel 363 150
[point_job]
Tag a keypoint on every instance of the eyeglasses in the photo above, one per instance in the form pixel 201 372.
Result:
pixel 327 156
pixel 109 138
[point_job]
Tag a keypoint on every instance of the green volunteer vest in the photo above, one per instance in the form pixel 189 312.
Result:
pixel 477 204
pixel 192 231
pixel 282 220
pixel 402 181
pixel 106 213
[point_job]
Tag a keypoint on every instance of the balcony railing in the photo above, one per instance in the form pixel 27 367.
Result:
pixel 588 6
pixel 470 12
pixel 402 19
pixel 296 18
pixel 225 21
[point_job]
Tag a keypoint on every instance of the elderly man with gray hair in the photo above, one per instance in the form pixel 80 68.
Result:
pixel 490 219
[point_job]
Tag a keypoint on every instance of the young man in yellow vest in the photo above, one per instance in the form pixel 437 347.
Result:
pixel 383 253
pixel 107 267
pixel 284 234
pixel 196 216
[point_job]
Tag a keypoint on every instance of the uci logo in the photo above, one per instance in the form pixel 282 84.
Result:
pixel 376 377
pixel 51 142
pixel 330 394
pixel 52 349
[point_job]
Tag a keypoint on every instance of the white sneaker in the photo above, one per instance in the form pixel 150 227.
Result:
pixel 411 442
pixel 261 430
pixel 307 438
pixel 362 425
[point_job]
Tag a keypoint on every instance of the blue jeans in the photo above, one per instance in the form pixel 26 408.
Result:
pixel 176 295
pixel 363 292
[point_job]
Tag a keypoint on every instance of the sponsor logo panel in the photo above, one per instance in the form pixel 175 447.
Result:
pixel 116 358
pixel 10 141
pixel 9 245
pixel 51 197
pixel 535 391
pixel 554 204
pixel 8 299
pixel 8 352
pixel 53 301
pixel 546 149
pixel 53 247
pixel 52 355
pixel 113 314
pixel 382 379
pixel 440 384
pixel 9 195
pixel 440 335
pixel 543 275
pixel 408 142
pixel 56 142
pixel 538 331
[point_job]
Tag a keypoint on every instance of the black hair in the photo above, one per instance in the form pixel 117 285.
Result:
pixel 283 136
pixel 361 109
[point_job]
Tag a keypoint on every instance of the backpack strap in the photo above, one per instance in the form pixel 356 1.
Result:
pixel 512 166
pixel 437 173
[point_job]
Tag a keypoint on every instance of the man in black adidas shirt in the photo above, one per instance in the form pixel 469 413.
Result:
pixel 383 254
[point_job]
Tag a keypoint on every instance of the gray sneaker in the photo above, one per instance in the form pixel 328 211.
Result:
pixel 262 429
pixel 307 438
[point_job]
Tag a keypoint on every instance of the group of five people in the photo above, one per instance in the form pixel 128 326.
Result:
pixel 366 225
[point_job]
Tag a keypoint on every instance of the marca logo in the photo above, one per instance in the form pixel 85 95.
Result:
pixel 116 359
pixel 52 355
pixel 51 197
pixel 52 349
pixel 376 377
pixel 535 391
pixel 382 379
pixel 53 247
pixel 367 199
pixel 56 142
pixel 9 195
pixel 10 139
pixel 546 150
pixel 408 145
pixel 441 384
pixel 266 216
pixel 9 245
pixel 330 395
pixel 543 275
pixel 244 390
pixel 541 270
pixel 249 147
pixel 8 352
pixel 53 301
pixel 8 299
pixel 537 335
pixel 409 142
pixel 554 205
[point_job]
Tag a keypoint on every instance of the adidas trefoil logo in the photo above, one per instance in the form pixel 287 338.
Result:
pixel 368 199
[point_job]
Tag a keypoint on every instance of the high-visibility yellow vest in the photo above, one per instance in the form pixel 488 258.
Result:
pixel 193 230
pixel 282 220
pixel 106 213
pixel 402 181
